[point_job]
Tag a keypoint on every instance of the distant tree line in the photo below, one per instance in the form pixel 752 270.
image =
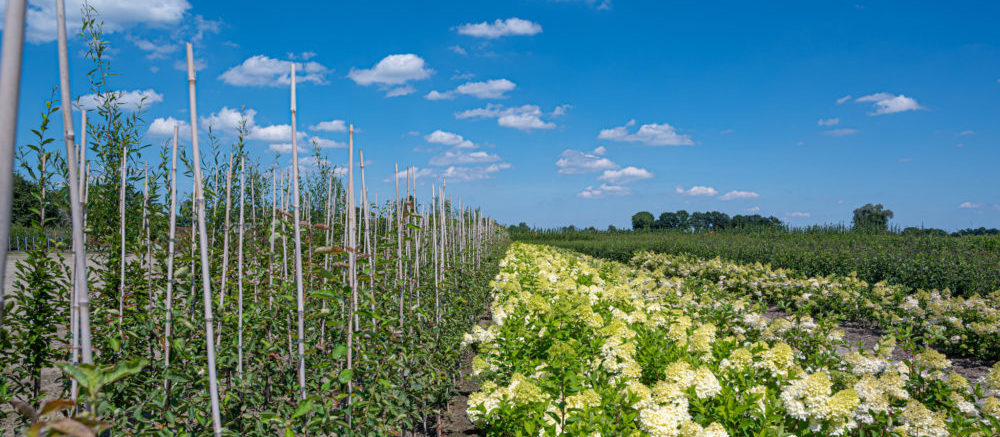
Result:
pixel 701 221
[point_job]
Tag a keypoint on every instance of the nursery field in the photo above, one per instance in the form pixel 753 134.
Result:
pixel 965 265
pixel 668 346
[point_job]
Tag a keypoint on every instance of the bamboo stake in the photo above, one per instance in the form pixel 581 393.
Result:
pixel 352 265
pixel 80 293
pixel 10 90
pixel 239 273
pixel 399 247
pixel 121 230
pixel 225 238
pixel 148 238
pixel 206 279
pixel 299 298
pixel 170 265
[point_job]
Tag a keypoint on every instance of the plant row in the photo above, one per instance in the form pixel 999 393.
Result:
pixel 580 346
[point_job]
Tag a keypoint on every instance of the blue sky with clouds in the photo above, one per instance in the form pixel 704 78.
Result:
pixel 557 112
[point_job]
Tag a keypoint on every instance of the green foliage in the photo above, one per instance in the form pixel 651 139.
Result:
pixel 871 218
pixel 964 265
pixel 642 220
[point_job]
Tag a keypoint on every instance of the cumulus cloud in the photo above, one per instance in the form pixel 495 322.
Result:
pixel 499 28
pixel 840 132
pixel 323 143
pixel 732 195
pixel 625 175
pixel 400 91
pixel 449 139
pixel 260 71
pixel 393 71
pixel 697 190
pixel 886 103
pixel 578 162
pixel 828 121
pixel 117 15
pixel 330 126
pixel 526 117
pixel 970 205
pixel 229 120
pixel 604 190
pixel 468 174
pixel 164 127
pixel 649 134
pixel 453 157
pixel 286 148
pixel 490 89
pixel 128 100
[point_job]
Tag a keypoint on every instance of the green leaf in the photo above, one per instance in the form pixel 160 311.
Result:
pixel 345 376
pixel 304 408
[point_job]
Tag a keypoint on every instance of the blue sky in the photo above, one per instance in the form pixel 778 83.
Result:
pixel 583 112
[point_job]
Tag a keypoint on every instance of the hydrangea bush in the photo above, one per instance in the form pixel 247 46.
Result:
pixel 967 326
pixel 579 346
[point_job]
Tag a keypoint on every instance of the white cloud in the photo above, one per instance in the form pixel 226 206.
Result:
pixel 561 110
pixel 323 143
pixel 155 50
pixel 578 162
pixel 453 157
pixel 304 56
pixel 526 117
pixel 491 89
pixel 467 174
pixel 828 121
pixel 966 132
pixel 752 210
pixel 697 190
pixel 844 99
pixel 400 91
pixel 260 70
pixel 330 126
pixel 625 175
pixel 392 70
pixel 449 139
pixel 840 132
pixel 229 120
pixel 970 205
pixel 498 28
pixel 604 190
pixel 886 103
pixel 739 195
pixel 649 134
pixel 799 214
pixel 416 173
pixel 274 132
pixel 458 49
pixel 164 127
pixel 286 148
pixel 129 100
pixel 117 15
pixel 600 150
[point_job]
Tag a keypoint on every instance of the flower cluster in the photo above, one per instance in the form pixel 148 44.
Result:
pixel 969 326
pixel 580 346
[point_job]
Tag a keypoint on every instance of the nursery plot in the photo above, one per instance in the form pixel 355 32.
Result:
pixel 588 347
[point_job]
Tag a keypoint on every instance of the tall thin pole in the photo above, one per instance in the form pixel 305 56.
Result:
pixel 299 298
pixel 206 279
pixel 76 215
pixel 239 268
pixel 10 91
pixel 352 265
pixel 170 262
pixel 121 231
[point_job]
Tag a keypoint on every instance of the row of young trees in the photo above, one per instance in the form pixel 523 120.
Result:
pixel 293 303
